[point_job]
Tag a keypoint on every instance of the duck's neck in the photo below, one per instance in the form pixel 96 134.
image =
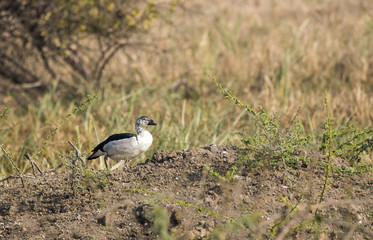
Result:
pixel 144 138
pixel 139 129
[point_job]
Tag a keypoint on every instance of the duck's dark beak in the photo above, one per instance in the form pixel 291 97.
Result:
pixel 152 123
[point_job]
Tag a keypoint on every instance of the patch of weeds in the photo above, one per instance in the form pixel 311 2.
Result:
pixel 197 207
pixel 73 163
pixel 288 213
pixel 95 180
pixel 349 143
pixel 178 201
pixel 228 177
pixel 13 164
pixel 352 143
pixel 346 142
pixel 244 222
pixel 282 146
pixel 292 207
pixel 81 178
pixel 327 149
pixel 310 226
pixel 270 143
pixel 361 168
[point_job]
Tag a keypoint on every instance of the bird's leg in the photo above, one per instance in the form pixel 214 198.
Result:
pixel 117 165
pixel 105 159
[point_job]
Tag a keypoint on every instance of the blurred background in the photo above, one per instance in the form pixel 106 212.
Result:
pixel 156 58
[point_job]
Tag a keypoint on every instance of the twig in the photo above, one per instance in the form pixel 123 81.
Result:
pixel 284 173
pixel 13 164
pixel 54 169
pixel 75 168
pixel 110 52
pixel 33 164
pixel 3 115
pixel 31 85
pixel 62 121
pixel 300 217
pixel 77 153
pixel 8 178
pixel 12 177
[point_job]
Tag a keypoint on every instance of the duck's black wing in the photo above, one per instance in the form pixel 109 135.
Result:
pixel 114 137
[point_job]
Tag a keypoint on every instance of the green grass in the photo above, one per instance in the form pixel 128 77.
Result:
pixel 181 124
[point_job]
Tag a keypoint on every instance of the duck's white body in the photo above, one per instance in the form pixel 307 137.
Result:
pixel 128 148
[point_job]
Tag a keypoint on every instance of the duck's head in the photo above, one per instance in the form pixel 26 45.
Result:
pixel 144 121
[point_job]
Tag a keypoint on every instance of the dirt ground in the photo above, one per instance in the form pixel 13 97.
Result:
pixel 175 194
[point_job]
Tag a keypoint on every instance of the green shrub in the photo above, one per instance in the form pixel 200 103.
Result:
pixel 270 143
pixel 273 145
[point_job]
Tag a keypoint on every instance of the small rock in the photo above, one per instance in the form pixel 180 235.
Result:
pixel 223 153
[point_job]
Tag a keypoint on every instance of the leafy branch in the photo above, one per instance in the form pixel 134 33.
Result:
pixel 5 112
pixel 80 107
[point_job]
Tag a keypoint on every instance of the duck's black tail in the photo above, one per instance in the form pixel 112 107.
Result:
pixel 95 154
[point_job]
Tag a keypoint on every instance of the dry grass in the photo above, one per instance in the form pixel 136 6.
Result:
pixel 278 54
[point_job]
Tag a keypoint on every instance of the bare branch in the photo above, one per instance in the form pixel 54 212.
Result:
pixel 77 153
pixel 55 169
pixel 13 164
pixel 110 52
pixel 13 177
pixel 8 178
pixel 33 164
pixel 20 66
